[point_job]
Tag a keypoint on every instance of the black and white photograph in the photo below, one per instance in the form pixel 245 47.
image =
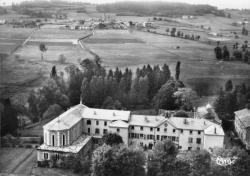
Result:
pixel 124 88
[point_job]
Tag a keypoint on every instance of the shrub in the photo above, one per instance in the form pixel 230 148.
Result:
pixel 44 163
pixel 28 146
pixel 67 162
pixel 86 166
pixel 77 166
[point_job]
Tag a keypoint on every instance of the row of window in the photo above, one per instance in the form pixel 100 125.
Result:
pixel 165 130
pixel 198 140
pixel 97 131
pixel 96 122
pixel 152 137
pixel 63 140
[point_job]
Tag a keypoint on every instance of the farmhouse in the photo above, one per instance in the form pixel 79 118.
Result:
pixel 74 130
pixel 147 24
pixel 242 126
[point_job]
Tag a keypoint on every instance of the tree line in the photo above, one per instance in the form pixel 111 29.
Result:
pixel 158 9
pixel 174 33
pixel 230 99
pixel 240 53
pixel 148 87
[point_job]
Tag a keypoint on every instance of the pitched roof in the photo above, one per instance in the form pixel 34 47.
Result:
pixel 205 125
pixel 190 123
pixel 214 130
pixel 244 116
pixel 67 119
pixel 144 120
pixel 105 114
pixel 119 123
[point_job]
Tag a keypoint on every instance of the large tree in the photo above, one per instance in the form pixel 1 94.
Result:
pixel 177 70
pixel 201 163
pixel 164 99
pixel 164 162
pixel 240 165
pixel 229 85
pixel 42 48
pixel 118 160
pixel 9 121
pixel 112 139
pixel 53 111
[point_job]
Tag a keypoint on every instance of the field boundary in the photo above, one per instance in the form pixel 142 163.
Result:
pixel 83 46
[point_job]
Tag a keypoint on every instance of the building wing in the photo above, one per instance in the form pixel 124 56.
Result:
pixel 67 119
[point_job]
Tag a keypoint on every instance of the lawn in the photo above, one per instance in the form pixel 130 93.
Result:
pixel 12 158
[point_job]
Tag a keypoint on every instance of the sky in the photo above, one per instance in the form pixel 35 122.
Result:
pixel 221 4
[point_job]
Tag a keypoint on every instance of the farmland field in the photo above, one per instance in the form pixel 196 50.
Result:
pixel 11 38
pixel 120 48
pixel 198 60
pixel 24 67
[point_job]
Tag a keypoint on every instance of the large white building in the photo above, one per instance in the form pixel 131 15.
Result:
pixel 72 131
pixel 242 126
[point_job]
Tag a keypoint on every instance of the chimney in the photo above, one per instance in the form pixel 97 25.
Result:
pixel 214 130
pixel 80 99
pixel 185 121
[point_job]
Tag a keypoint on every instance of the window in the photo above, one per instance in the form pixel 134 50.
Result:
pixel 173 130
pixel 158 129
pixel 105 123
pixel 141 143
pixel 158 137
pixel 88 122
pixel 181 131
pixel 189 148
pixel 132 127
pixel 63 139
pixel 97 131
pixel 57 156
pixel 88 130
pixel 141 136
pixel 151 129
pixel 190 140
pixel 198 140
pixel 177 139
pixel 118 130
pixel 190 132
pixel 165 129
pixel 199 132
pixel 105 131
pixel 173 138
pixel 141 128
pixel 198 148
pixel 97 122
pixel 53 140
pixel 46 156
pixel 179 147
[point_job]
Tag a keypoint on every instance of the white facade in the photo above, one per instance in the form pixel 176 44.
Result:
pixel 242 126
pixel 138 130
